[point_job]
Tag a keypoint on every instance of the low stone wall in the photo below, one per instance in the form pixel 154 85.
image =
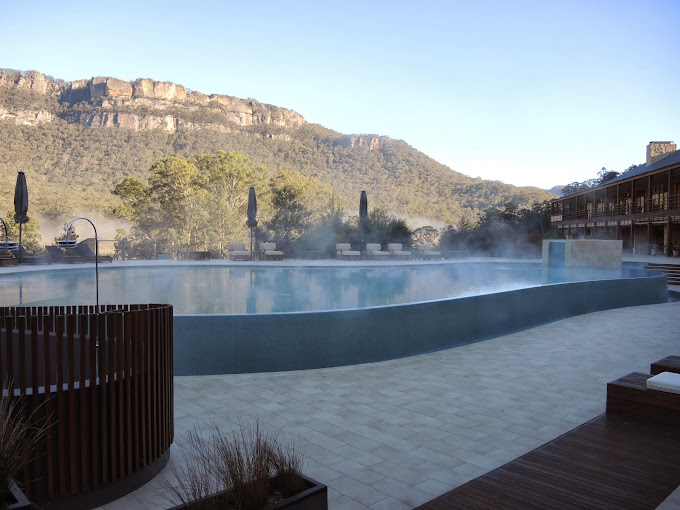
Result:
pixel 222 344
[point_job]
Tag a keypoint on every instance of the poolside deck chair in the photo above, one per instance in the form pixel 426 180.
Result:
pixel 58 256
pixel 343 251
pixel 268 252
pixel 425 251
pixel 374 251
pixel 84 250
pixel 8 261
pixel 237 251
pixel 31 259
pixel 397 252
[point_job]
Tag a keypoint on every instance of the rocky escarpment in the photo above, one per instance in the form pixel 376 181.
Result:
pixel 371 142
pixel 141 104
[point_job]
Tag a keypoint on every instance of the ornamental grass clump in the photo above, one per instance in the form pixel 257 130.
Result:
pixel 18 440
pixel 235 469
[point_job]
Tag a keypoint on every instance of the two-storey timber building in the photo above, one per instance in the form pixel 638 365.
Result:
pixel 640 206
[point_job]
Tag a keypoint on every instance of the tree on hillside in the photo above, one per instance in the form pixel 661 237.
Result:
pixel 189 204
pixel 603 176
pixel 298 203
pixel 228 177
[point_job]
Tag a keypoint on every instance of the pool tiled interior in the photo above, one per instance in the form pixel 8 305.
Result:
pixel 396 434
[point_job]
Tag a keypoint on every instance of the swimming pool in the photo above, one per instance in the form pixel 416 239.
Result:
pixel 210 289
pixel 242 342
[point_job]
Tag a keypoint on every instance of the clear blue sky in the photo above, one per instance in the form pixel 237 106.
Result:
pixel 527 92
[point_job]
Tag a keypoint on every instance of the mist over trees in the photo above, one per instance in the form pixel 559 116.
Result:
pixel 201 204
pixel 508 232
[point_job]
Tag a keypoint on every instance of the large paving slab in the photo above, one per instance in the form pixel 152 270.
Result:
pixel 396 434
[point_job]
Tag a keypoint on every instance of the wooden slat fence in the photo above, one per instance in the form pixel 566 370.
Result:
pixel 101 383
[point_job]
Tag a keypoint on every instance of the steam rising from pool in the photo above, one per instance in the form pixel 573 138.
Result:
pixel 248 290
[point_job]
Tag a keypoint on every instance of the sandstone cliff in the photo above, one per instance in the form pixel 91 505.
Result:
pixel 372 142
pixel 139 105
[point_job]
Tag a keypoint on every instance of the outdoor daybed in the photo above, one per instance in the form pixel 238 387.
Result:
pixel 374 251
pixel 31 259
pixel 237 251
pixel 425 251
pixel 268 251
pixel 397 253
pixel 84 250
pixel 343 251
pixel 59 256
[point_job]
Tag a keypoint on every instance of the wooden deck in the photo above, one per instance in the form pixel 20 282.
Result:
pixel 611 462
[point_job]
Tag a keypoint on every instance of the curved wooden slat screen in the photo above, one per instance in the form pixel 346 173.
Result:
pixel 99 381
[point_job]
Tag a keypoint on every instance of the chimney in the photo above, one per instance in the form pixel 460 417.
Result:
pixel 658 150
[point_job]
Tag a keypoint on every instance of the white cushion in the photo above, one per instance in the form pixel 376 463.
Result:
pixel 343 247
pixel 665 381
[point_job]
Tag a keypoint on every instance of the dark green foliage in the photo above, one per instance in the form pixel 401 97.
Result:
pixel 384 228
pixel 603 177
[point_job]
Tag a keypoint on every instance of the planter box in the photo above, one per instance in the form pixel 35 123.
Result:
pixel 16 499
pixel 314 497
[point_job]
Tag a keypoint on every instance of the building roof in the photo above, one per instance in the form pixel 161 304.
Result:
pixel 671 159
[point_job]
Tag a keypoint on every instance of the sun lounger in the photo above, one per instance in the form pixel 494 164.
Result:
pixel 667 364
pixel 84 250
pixel 193 255
pixel 58 256
pixel 268 252
pixel 343 251
pixel 374 251
pixel 31 259
pixel 237 251
pixel 425 251
pixel 397 252
pixel 632 396
pixel 8 261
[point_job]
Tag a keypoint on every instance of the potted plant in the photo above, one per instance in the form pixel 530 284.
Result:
pixel 18 441
pixel 244 469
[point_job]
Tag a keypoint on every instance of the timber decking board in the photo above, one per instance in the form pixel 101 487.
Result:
pixel 613 462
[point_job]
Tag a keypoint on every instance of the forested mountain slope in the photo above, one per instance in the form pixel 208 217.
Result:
pixel 76 140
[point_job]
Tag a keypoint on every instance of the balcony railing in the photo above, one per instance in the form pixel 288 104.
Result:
pixel 651 207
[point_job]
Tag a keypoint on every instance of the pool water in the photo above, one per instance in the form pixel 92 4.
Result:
pixel 244 290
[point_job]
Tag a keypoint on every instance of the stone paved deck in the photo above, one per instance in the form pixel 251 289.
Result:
pixel 396 434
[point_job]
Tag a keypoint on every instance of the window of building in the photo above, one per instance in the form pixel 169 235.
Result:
pixel 659 197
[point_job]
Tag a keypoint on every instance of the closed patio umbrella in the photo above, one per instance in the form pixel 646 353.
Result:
pixel 363 217
pixel 20 205
pixel 252 216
